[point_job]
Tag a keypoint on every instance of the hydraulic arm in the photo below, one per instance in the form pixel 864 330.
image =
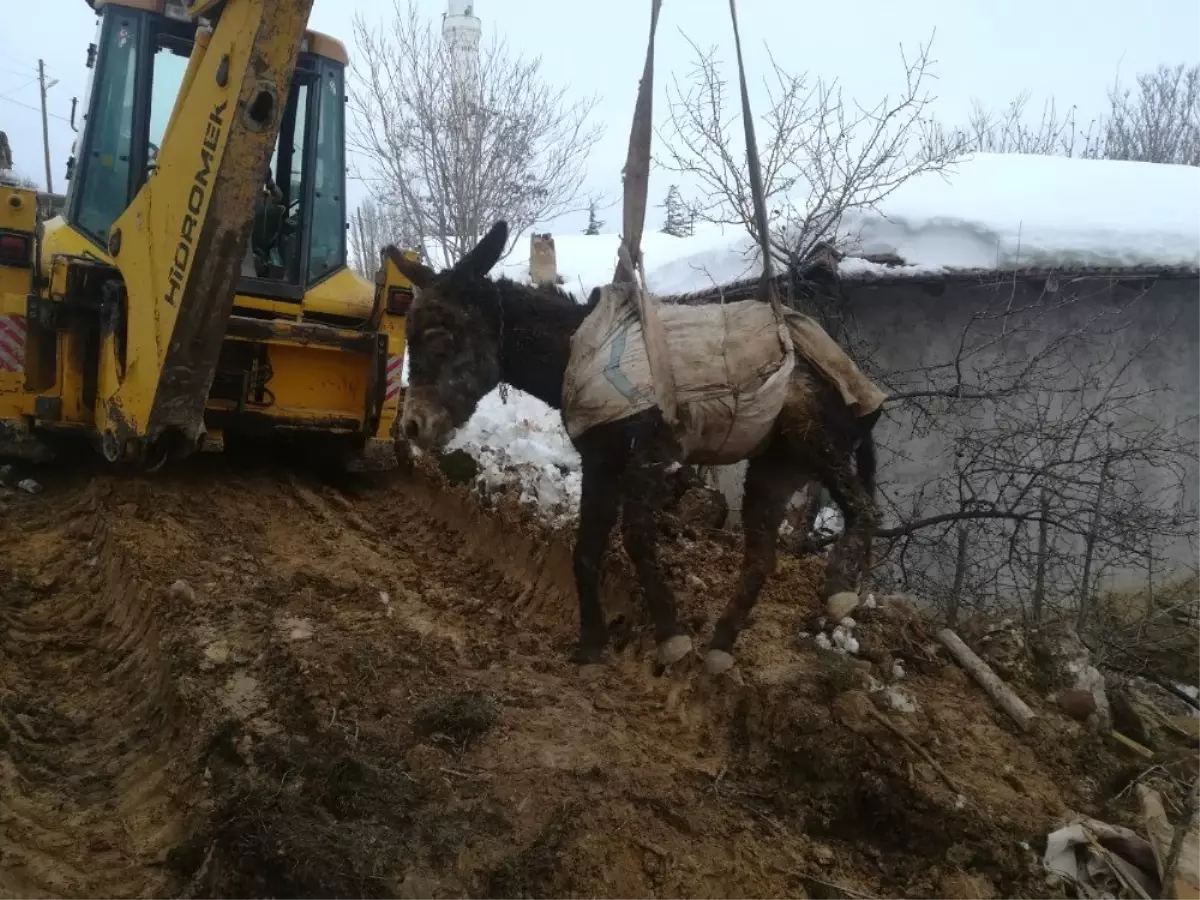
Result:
pixel 179 292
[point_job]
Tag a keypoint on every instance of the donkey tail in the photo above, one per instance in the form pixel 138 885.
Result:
pixel 864 455
pixel 866 464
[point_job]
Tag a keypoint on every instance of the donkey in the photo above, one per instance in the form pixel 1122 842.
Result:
pixel 468 332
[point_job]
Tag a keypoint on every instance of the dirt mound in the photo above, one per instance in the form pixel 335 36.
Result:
pixel 223 682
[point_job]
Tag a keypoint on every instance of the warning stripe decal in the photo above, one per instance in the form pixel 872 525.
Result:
pixel 395 367
pixel 12 343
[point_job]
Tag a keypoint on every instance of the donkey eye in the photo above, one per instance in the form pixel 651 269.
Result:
pixel 436 339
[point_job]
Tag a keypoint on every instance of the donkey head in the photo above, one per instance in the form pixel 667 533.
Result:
pixel 453 340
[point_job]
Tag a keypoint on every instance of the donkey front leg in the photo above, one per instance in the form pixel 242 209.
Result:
pixel 599 502
pixel 848 562
pixel 771 479
pixel 644 498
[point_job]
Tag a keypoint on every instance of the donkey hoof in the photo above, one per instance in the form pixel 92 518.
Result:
pixel 718 662
pixel 673 649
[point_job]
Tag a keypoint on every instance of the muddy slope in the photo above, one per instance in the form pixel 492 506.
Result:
pixel 364 692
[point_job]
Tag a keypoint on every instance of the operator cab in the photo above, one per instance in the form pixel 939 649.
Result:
pixel 138 64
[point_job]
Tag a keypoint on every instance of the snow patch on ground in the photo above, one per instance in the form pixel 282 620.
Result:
pixel 521 444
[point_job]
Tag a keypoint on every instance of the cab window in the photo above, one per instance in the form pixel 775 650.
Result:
pixel 105 168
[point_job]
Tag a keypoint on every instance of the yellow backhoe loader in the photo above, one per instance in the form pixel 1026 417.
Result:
pixel 196 286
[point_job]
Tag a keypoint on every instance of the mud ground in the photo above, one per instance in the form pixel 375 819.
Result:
pixel 363 690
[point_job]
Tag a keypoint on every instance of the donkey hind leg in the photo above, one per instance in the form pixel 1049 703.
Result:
pixel 846 568
pixel 599 502
pixel 644 497
pixel 771 479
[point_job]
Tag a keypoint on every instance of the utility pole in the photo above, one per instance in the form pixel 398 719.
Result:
pixel 45 125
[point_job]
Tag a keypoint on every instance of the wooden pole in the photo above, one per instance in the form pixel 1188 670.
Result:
pixel 45 126
pixel 1000 692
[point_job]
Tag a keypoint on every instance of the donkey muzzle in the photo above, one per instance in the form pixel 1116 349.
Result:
pixel 424 421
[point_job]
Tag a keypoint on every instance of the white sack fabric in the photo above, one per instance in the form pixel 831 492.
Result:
pixel 732 365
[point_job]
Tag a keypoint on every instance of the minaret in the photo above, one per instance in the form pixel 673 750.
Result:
pixel 461 31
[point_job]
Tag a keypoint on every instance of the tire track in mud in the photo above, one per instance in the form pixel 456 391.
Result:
pixel 86 714
pixel 364 691
pixel 106 712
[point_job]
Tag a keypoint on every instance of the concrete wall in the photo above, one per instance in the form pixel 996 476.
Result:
pixel 911 325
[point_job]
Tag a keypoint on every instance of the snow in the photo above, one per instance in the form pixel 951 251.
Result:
pixel 991 212
pixel 1018 211
pixel 522 443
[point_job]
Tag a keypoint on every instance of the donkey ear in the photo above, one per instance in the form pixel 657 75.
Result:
pixel 487 252
pixel 418 274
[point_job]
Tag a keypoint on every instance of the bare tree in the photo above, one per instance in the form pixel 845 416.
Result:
pixel 1011 130
pixel 373 226
pixel 453 141
pixel 1158 120
pixel 822 157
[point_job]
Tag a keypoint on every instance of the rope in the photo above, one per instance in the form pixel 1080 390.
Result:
pixel 636 174
pixel 767 287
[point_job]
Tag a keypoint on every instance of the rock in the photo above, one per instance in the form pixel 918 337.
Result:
pixel 841 605
pixel 217 652
pixel 46 581
pixel 29 486
pixel 5 474
pixel 1128 718
pixel 458 466
pixel 900 700
pixel 297 629
pixel 823 854
pixel 966 886
pixel 696 583
pixel 1077 703
pixel 898 606
pixel 1065 663
pixel 181 590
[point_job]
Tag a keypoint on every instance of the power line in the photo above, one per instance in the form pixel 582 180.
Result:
pixel 24 65
pixel 35 109
pixel 7 94
pixel 17 71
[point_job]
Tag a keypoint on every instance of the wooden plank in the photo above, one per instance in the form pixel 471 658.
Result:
pixel 1000 692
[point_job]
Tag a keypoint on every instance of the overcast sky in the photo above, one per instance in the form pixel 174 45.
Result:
pixel 1067 49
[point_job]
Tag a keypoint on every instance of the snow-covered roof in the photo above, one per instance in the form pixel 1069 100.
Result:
pixel 995 213
pixel 991 213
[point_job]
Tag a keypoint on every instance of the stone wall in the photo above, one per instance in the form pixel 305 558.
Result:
pixel 909 325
